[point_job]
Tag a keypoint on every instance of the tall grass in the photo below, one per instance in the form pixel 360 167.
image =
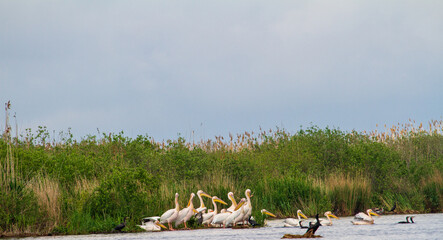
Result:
pixel 89 185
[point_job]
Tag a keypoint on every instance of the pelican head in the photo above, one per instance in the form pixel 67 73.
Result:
pixel 370 212
pixel 299 213
pixel 264 211
pixel 329 213
pixel 190 200
pixel 248 193
pixel 242 201
pixel 159 224
pixel 202 193
pixel 217 199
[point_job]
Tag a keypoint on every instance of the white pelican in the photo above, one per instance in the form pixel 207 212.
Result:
pixel 328 221
pixel 364 219
pixel 202 207
pixel 266 212
pixel 247 209
pixel 219 218
pixel 230 219
pixel 171 215
pixel 291 222
pixel 234 203
pixel 151 224
pixel 186 213
pixel 207 217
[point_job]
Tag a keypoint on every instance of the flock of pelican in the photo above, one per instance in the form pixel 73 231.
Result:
pixel 237 214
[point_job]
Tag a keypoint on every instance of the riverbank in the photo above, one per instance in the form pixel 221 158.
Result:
pixel 89 186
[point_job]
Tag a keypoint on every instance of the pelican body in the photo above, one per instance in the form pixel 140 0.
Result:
pixel 186 213
pixel 230 219
pixel 291 222
pixel 207 217
pixel 328 221
pixel 247 209
pixel 171 215
pixel 364 219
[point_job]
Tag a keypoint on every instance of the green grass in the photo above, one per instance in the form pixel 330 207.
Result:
pixel 97 181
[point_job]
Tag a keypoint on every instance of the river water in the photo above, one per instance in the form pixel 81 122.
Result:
pixel 426 226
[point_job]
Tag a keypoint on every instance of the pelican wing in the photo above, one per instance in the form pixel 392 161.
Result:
pixel 219 218
pixel 362 217
pixel 181 216
pixel 165 216
pixel 207 217
pixel 291 222
pixel 201 209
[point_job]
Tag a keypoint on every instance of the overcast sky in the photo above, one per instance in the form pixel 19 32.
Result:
pixel 164 68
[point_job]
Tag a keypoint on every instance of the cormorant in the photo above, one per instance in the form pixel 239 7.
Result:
pixel 313 228
pixel 121 225
pixel 253 222
pixel 407 220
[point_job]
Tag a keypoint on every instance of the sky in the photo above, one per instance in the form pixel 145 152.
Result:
pixel 200 69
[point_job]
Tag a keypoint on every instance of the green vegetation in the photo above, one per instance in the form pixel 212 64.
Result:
pixel 89 186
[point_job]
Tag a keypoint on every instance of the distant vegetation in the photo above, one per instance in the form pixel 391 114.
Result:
pixel 89 186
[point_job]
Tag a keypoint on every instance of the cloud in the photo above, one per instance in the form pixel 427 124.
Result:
pixel 166 67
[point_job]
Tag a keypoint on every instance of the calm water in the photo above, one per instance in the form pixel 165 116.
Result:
pixel 427 226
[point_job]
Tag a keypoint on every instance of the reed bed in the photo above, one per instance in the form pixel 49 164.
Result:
pixel 69 186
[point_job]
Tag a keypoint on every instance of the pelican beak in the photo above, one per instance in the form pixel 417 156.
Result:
pixel 232 199
pixel 195 211
pixel 332 215
pixel 189 203
pixel 239 205
pixel 373 213
pixel 303 215
pixel 161 225
pixel 220 201
pixel 269 213
pixel 205 194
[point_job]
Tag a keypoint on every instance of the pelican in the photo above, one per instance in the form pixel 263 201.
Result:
pixel 364 219
pixel 207 217
pixel 202 207
pixel 151 224
pixel 266 212
pixel 247 209
pixel 186 213
pixel 224 213
pixel 230 219
pixel 328 221
pixel 234 203
pixel 171 215
pixel 291 222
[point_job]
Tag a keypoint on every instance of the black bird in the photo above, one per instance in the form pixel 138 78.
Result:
pixel 253 222
pixel 121 225
pixel 407 220
pixel 393 207
pixel 412 219
pixel 313 228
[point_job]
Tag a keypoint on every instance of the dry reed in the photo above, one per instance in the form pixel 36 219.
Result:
pixel 48 195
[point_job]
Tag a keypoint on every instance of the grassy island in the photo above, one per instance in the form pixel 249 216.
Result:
pixel 69 186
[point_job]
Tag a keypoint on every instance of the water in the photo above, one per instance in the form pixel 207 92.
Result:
pixel 427 226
